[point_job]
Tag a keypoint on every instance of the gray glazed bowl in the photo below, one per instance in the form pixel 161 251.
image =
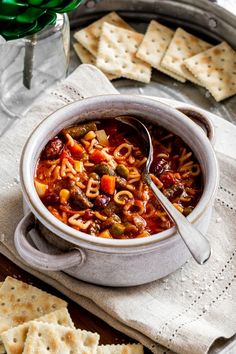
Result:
pixel 107 261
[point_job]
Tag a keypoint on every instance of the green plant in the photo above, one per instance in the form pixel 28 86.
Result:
pixel 20 18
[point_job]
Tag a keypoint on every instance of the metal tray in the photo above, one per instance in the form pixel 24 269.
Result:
pixel 201 17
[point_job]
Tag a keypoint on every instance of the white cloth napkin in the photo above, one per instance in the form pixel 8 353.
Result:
pixel 184 313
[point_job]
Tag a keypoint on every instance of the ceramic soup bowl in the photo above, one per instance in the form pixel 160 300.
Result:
pixel 111 262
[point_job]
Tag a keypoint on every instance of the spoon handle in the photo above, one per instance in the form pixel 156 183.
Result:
pixel 197 243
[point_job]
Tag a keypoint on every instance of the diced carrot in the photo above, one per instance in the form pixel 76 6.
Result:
pixel 97 156
pixel 156 180
pixel 66 155
pixel 108 184
pixel 76 149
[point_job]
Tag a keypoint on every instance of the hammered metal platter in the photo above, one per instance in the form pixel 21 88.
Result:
pixel 201 17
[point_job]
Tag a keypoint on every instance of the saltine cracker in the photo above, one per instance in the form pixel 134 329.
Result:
pixel 44 338
pixel 216 70
pixel 120 349
pixel 89 36
pixel 183 46
pixel 14 338
pixel 117 54
pixel 87 58
pixel 154 45
pixel 20 302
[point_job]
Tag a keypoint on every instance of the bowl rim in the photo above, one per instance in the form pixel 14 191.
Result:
pixel 76 237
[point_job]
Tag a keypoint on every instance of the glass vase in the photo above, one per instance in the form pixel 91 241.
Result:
pixel 28 66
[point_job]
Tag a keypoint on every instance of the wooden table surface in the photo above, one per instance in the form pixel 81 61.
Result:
pixel 81 317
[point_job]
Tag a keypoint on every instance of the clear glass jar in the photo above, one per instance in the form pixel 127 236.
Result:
pixel 30 65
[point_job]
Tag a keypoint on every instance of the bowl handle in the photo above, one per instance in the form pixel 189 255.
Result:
pixel 41 260
pixel 200 119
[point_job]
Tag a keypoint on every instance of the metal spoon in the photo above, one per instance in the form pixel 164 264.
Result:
pixel 197 243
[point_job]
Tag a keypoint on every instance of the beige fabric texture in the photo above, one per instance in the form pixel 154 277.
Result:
pixel 185 312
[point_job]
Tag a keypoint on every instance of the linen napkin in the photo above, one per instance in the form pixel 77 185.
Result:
pixel 186 312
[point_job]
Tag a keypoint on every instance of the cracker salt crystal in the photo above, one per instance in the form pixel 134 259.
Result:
pixel 117 54
pixel 154 45
pixel 14 338
pixel 20 302
pixel 89 36
pixel 120 349
pixel 215 68
pixel 44 338
pixel 87 58
pixel 183 46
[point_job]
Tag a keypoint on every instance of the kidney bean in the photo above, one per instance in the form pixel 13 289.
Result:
pixel 159 167
pixel 51 199
pixel 102 201
pixel 53 149
pixel 88 215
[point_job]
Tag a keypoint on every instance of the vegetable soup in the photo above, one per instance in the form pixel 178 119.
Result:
pixel 90 177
